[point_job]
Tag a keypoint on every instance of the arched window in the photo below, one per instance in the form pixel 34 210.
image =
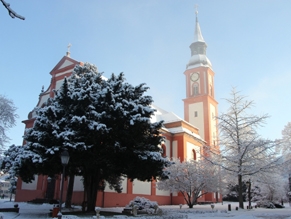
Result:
pixel 194 154
pixel 213 136
pixel 163 150
pixel 195 89
pixel 211 90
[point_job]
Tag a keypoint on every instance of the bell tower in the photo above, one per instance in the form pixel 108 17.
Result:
pixel 200 106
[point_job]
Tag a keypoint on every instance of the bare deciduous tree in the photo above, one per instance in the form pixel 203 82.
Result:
pixel 286 137
pixel 7 118
pixel 192 179
pixel 243 152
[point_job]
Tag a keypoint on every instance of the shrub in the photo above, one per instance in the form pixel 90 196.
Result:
pixel 144 204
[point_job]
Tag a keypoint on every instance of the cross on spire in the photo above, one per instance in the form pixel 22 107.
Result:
pixel 68 52
pixel 196 9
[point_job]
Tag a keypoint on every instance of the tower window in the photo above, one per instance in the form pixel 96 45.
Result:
pixel 196 114
pixel 211 91
pixel 193 154
pixel 195 89
pixel 213 136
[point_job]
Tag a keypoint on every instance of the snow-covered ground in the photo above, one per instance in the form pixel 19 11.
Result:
pixel 173 212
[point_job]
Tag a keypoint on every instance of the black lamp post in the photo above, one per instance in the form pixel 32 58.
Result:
pixel 249 184
pixel 49 179
pixel 65 160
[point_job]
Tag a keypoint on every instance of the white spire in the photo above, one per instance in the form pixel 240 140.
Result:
pixel 197 35
pixel 198 48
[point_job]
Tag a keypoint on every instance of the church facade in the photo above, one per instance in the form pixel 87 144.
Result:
pixel 184 138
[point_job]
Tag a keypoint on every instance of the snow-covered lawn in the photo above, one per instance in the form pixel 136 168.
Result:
pixel 173 212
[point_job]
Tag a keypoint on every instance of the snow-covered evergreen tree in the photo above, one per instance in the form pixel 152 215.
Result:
pixel 14 160
pixel 191 178
pixel 17 161
pixel 105 126
pixel 243 152
pixel 232 192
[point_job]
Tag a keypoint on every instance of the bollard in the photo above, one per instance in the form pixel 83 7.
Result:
pixel 97 209
pixel 60 215
pixel 229 207
pixel 156 208
pixel 134 210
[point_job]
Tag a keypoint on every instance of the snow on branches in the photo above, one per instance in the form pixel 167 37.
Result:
pixel 13 161
pixel 12 13
pixel 104 125
pixel 191 178
pixel 7 118
pixel 243 151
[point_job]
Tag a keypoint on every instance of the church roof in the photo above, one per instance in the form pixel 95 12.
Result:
pixel 170 117
pixel 199 60
pixel 164 115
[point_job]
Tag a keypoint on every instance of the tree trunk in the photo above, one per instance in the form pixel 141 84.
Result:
pixel 91 182
pixel 70 191
pixel 50 189
pixel 84 198
pixel 194 199
pixel 187 198
pixel 240 192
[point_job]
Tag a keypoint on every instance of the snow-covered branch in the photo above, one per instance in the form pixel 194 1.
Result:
pixel 12 13
pixel 192 179
pixel 7 118
pixel 243 151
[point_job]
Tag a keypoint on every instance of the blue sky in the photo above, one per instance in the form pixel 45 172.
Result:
pixel 248 44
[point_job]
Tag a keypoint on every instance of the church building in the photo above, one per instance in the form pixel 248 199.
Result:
pixel 184 138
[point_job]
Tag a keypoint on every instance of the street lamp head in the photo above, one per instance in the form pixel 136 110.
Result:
pixel 49 179
pixel 65 157
pixel 247 183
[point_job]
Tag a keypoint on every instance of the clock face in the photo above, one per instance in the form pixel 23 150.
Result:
pixel 194 76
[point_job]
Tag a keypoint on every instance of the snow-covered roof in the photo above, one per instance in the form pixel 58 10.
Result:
pixel 162 114
pixel 183 129
pixel 199 60
pixel 170 117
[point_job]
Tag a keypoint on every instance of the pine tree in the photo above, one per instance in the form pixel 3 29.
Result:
pixel 105 126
